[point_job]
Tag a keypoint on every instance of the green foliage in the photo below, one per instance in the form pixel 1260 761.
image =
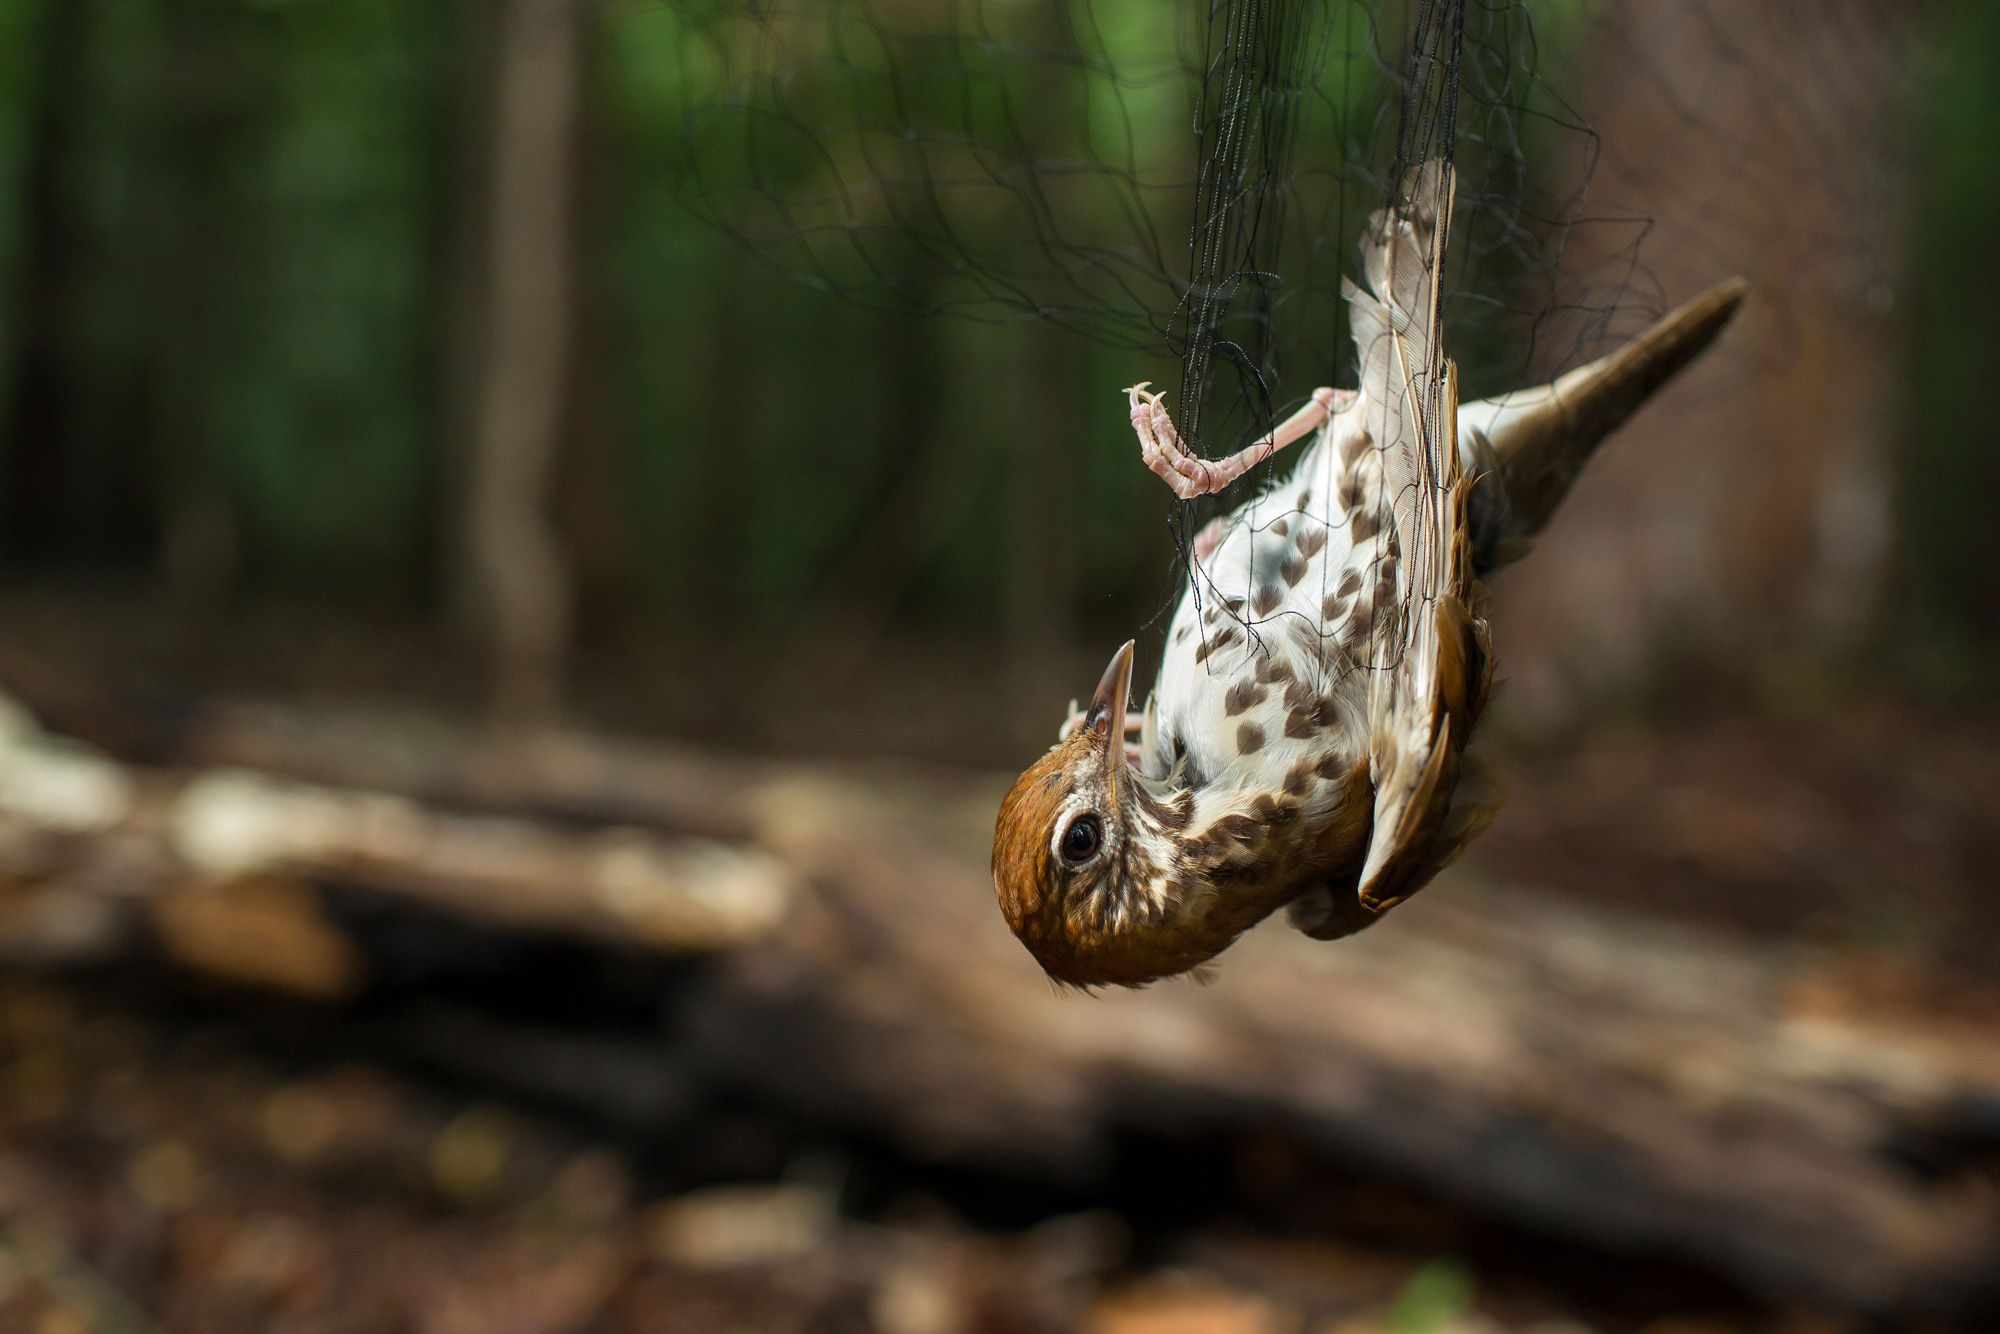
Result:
pixel 319 414
pixel 251 204
pixel 1432 1300
pixel 1952 466
pixel 243 220
pixel 790 452
pixel 19 91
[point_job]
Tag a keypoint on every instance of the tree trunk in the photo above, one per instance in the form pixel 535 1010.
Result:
pixel 513 560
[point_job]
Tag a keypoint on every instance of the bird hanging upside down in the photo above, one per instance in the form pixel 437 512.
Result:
pixel 1304 747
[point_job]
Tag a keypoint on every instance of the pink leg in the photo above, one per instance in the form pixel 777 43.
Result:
pixel 1160 445
pixel 1209 538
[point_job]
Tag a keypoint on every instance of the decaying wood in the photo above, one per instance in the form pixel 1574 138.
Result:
pixel 1644 1084
pixel 220 862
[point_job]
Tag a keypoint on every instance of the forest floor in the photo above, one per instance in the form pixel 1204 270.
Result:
pixel 168 1162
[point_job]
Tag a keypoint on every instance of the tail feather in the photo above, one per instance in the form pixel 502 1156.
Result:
pixel 1530 445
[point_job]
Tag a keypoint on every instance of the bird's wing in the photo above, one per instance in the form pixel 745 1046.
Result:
pixel 1429 669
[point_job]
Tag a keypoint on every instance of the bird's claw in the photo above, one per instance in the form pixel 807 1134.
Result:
pixel 1160 444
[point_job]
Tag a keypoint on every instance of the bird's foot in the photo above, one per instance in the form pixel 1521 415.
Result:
pixel 1160 447
pixel 1160 444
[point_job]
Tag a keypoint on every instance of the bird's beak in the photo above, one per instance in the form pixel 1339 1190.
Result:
pixel 1107 707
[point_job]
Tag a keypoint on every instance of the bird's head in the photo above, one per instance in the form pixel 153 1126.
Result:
pixel 1083 855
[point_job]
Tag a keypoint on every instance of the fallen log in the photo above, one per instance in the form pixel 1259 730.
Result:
pixel 220 864
pixel 1647 1084
pixel 1755 1105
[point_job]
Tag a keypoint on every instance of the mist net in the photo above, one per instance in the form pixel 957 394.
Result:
pixel 1185 179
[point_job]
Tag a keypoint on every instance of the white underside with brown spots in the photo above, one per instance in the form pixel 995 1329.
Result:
pixel 1306 634
pixel 1274 625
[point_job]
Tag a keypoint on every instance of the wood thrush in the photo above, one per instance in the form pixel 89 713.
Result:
pixel 1304 746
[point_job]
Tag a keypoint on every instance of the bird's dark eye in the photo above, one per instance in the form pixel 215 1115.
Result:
pixel 1081 840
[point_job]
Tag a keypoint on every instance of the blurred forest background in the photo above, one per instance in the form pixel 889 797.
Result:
pixel 391 316
pixel 370 376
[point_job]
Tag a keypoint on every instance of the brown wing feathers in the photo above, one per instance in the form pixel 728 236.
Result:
pixel 1432 669
pixel 1436 704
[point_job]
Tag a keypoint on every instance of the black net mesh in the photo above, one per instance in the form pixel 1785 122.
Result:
pixel 1183 179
